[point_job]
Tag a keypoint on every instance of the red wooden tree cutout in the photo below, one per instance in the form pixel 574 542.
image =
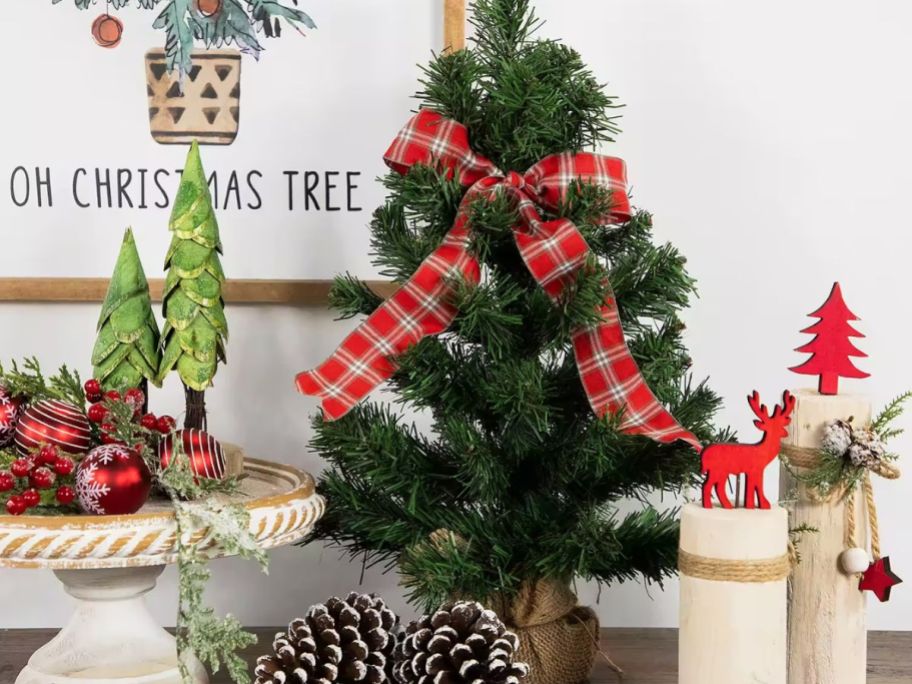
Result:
pixel 722 460
pixel 831 348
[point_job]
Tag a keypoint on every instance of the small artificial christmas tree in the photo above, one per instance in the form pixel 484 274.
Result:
pixel 127 352
pixel 540 419
pixel 195 330
pixel 831 349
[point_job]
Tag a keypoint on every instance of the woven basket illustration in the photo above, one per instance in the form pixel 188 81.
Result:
pixel 205 107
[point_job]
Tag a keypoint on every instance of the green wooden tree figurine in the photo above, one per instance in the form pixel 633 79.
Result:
pixel 127 352
pixel 195 330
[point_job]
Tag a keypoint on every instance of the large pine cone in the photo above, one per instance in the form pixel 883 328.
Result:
pixel 339 642
pixel 460 643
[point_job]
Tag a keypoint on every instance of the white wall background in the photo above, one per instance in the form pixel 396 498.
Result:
pixel 771 140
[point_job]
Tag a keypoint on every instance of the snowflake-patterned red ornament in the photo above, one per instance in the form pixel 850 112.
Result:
pixel 54 422
pixel 10 411
pixel 112 480
pixel 205 452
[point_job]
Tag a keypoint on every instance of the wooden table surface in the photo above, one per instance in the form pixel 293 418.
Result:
pixel 648 656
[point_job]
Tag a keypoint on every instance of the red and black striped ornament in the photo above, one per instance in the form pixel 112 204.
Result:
pixel 10 412
pixel 205 453
pixel 53 422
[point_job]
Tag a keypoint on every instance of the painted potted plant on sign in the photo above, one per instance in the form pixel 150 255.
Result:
pixel 194 94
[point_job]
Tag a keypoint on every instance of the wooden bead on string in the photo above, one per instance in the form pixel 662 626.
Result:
pixel 854 561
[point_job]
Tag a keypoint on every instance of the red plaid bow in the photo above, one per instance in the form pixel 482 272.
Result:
pixel 552 250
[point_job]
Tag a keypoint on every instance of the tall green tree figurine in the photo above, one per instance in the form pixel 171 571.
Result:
pixel 127 352
pixel 195 330
pixel 522 257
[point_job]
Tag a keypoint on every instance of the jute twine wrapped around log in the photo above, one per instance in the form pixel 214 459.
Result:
pixel 803 457
pixel 557 638
pixel 725 570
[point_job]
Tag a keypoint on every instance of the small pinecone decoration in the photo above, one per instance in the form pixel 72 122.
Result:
pixel 337 642
pixel 460 643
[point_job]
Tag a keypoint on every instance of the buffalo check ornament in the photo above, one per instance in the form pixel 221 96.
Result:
pixel 554 251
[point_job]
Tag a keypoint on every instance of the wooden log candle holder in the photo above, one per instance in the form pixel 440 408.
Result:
pixel 827 637
pixel 733 565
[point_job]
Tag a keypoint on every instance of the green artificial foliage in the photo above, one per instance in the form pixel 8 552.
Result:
pixel 211 521
pixel 127 347
pixel 237 22
pixel 195 330
pixel 28 380
pixel 515 470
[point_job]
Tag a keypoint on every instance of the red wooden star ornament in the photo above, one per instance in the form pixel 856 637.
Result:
pixel 879 579
pixel 831 348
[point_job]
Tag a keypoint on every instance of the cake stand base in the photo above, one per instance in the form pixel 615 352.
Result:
pixel 111 637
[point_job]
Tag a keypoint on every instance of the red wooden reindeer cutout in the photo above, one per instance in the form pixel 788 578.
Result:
pixel 722 460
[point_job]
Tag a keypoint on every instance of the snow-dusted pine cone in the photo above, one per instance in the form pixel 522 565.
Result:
pixel 339 642
pixel 837 436
pixel 867 449
pixel 462 643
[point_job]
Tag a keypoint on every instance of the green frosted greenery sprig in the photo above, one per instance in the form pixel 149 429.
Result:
pixel 28 380
pixel 214 640
pixel 199 505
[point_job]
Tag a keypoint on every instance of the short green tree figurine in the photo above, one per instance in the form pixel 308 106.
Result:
pixel 127 352
pixel 195 330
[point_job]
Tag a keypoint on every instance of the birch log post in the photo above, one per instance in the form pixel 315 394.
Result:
pixel 733 566
pixel 827 637
pixel 454 24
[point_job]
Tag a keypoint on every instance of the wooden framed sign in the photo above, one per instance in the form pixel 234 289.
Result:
pixel 301 132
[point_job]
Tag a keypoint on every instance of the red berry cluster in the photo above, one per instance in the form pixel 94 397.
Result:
pixel 99 412
pixel 46 469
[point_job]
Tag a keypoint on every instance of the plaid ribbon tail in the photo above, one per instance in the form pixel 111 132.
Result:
pixel 615 386
pixel 421 307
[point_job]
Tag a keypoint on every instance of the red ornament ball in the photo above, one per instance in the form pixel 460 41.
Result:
pixel 205 452
pixel 53 422
pixel 10 412
pixel 107 30
pixel 209 8
pixel 112 480
pixel 7 481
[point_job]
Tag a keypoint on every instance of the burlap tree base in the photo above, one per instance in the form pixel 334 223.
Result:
pixel 557 638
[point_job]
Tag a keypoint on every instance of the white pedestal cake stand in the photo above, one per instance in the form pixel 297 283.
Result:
pixel 107 563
